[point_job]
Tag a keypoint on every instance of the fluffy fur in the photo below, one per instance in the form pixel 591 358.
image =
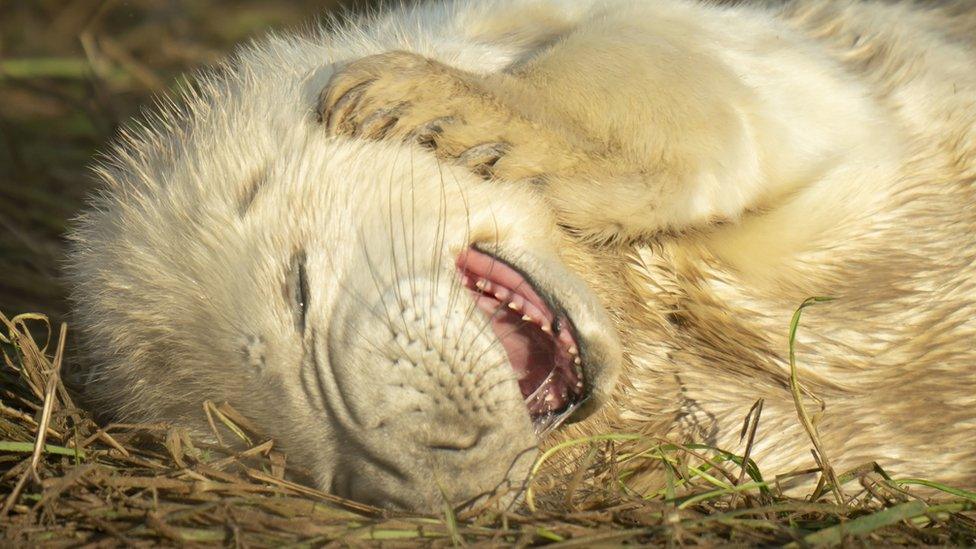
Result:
pixel 679 175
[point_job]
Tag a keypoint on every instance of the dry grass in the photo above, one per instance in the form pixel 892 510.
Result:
pixel 70 72
pixel 65 480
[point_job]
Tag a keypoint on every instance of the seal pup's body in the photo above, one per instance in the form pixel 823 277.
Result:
pixel 678 176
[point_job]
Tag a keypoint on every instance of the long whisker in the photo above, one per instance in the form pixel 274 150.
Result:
pixel 385 320
pixel 379 290
pixel 439 240
pixel 456 284
pixel 467 315
pixel 472 306
pixel 409 241
pixel 392 242
pixel 501 308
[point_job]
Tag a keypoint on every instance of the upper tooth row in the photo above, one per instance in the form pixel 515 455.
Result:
pixel 515 302
pixel 530 313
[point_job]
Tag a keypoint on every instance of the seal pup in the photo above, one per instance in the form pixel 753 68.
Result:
pixel 625 203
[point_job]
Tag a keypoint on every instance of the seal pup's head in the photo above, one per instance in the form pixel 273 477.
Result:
pixel 404 329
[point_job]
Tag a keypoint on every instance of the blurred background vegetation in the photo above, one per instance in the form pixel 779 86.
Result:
pixel 72 71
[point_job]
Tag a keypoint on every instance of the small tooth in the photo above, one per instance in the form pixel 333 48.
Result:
pixel 514 306
pixel 573 350
pixel 481 284
pixel 535 312
pixel 545 328
pixel 577 361
pixel 579 384
pixel 527 318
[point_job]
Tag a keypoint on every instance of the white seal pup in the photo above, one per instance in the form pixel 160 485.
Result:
pixel 407 246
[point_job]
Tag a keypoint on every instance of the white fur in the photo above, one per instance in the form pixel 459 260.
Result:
pixel 831 176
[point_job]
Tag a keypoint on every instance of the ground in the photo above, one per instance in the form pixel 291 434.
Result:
pixel 71 71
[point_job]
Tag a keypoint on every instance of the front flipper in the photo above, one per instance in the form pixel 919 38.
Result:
pixel 620 154
pixel 401 95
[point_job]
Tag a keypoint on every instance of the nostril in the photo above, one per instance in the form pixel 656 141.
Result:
pixel 454 440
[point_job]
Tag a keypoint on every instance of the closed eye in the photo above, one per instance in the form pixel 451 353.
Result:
pixel 296 290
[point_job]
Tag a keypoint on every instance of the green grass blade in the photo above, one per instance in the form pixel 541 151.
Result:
pixel 721 492
pixel 965 494
pixel 867 524
pixel 548 534
pixel 28 447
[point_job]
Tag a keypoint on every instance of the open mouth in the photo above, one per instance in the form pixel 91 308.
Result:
pixel 535 333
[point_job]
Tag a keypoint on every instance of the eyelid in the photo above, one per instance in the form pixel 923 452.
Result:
pixel 297 289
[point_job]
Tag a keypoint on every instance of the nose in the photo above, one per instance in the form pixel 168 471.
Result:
pixel 424 457
pixel 454 438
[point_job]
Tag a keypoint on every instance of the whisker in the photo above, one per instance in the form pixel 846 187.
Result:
pixel 374 346
pixel 392 242
pixel 497 312
pixel 456 285
pixel 385 320
pixel 490 269
pixel 497 341
pixel 439 240
pixel 501 308
pixel 408 243
pixel 379 291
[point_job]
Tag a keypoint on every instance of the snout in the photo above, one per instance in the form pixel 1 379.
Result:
pixel 426 462
pixel 440 385
pixel 431 412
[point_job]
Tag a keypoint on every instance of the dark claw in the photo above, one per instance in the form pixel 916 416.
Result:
pixel 335 116
pixel 481 158
pixel 378 123
pixel 426 135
